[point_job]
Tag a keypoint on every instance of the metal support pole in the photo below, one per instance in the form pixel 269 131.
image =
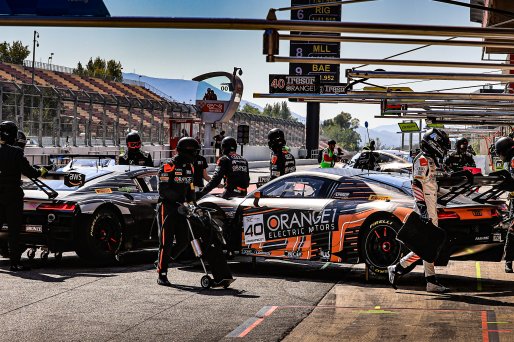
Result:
pixel 104 123
pixel 40 125
pixel 410 140
pixel 117 125
pixel 89 135
pixel 59 109
pixel 152 121
pixel 141 122
pixel 74 126
pixel 161 126
pixel 419 139
pixel 403 140
pixel 21 116
pixel 312 127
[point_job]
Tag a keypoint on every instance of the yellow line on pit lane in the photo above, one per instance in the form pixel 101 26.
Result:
pixel 479 276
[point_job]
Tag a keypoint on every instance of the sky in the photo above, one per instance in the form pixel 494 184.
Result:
pixel 184 54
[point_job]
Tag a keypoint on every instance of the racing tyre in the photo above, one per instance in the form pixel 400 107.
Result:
pixel 31 253
pixel 206 282
pixel 101 237
pixel 379 247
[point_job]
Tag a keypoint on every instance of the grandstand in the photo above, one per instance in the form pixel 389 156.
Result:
pixel 63 109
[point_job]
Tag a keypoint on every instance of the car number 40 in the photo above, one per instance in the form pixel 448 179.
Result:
pixel 253 229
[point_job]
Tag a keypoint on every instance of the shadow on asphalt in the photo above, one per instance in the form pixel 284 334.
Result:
pixel 214 292
pixel 55 271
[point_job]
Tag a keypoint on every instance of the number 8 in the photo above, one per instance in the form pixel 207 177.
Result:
pixel 299 52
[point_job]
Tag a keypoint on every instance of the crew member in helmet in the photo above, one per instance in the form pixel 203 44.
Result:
pixel 457 160
pixel 231 167
pixel 21 140
pixel 133 155
pixel 282 161
pixel 12 165
pixel 329 157
pixel 176 187
pixel 505 150
pixel 434 146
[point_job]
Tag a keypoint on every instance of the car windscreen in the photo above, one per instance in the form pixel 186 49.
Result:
pixel 384 190
pixel 58 184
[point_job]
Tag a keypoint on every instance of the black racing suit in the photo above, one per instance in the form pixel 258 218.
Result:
pixel 509 241
pixel 456 161
pixel 175 188
pixel 12 165
pixel 234 170
pixel 136 157
pixel 282 162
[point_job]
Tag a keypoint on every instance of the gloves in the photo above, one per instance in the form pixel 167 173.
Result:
pixel 43 171
pixel 423 212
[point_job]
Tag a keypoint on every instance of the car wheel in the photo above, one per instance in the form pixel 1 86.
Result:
pixel 379 247
pixel 101 237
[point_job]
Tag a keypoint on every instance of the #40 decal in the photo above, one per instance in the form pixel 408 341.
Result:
pixel 254 229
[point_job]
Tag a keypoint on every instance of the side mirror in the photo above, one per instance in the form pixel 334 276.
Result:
pixel 257 196
pixel 74 179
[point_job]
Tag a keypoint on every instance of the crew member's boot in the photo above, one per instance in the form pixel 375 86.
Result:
pixel 163 280
pixel 508 267
pixel 395 272
pixel 434 286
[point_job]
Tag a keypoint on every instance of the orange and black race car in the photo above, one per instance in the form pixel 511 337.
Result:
pixel 344 216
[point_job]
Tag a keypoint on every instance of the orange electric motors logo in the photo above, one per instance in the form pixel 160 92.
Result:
pixel 298 222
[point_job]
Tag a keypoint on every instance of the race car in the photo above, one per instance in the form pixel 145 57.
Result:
pixel 383 161
pixel 111 213
pixel 343 216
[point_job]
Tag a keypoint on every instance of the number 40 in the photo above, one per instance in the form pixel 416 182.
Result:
pixel 254 229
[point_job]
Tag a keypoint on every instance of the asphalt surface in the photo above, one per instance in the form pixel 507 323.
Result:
pixel 273 300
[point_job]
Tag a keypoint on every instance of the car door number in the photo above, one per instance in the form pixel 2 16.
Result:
pixel 254 229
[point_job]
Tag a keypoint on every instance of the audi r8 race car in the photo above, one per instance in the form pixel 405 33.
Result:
pixel 343 216
pixel 383 161
pixel 111 213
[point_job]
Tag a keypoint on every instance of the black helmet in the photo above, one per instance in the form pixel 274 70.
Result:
pixel 504 147
pixel 133 141
pixel 228 144
pixel 461 145
pixel 8 132
pixel 276 138
pixel 188 147
pixel 435 143
pixel 21 140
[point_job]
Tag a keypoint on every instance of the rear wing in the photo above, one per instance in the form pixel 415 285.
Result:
pixel 465 183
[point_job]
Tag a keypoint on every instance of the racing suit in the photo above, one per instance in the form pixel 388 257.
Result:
pixel 328 158
pixel 12 165
pixel 424 188
pixel 234 170
pixel 456 161
pixel 175 188
pixel 282 162
pixel 509 240
pixel 136 157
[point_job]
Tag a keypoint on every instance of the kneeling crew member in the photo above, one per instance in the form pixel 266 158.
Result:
pixel 461 157
pixel 434 145
pixel 505 150
pixel 12 165
pixel 231 167
pixel 175 188
pixel 133 155
pixel 282 162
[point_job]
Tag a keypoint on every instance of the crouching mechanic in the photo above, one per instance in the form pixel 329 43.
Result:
pixel 434 145
pixel 505 150
pixel 12 165
pixel 282 162
pixel 175 188
pixel 231 167
pixel 133 155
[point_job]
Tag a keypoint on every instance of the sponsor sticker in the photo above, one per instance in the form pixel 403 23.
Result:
pixel 103 191
pixel 254 229
pixel 33 228
pixel 340 194
pixel 379 198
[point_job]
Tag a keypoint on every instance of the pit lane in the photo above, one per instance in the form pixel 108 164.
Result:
pixel 72 301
